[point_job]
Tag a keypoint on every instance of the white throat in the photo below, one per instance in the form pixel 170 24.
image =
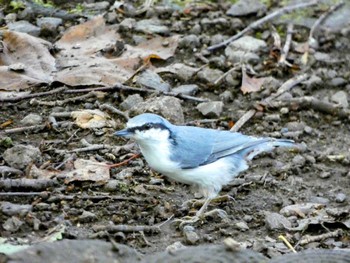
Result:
pixel 155 147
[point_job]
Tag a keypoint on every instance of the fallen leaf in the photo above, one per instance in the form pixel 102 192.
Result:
pixel 90 119
pixel 249 84
pixel 88 65
pixel 32 53
pixel 86 170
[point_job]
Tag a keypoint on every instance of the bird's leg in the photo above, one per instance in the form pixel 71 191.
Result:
pixel 201 211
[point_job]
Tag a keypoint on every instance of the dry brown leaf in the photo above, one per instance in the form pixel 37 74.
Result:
pixel 38 173
pixel 87 65
pixel 86 170
pixel 30 51
pixel 249 84
pixel 90 119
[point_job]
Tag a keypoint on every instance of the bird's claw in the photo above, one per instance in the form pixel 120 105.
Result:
pixel 187 220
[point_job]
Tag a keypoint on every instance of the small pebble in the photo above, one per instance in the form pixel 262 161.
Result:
pixel 340 198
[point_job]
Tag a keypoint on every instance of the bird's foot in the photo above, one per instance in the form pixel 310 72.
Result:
pixel 186 220
pixel 190 220
pixel 200 202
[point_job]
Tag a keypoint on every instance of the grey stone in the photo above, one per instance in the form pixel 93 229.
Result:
pixel 247 43
pixel 51 22
pixel 236 56
pixel 175 246
pixel 322 57
pixel 87 216
pixel 340 198
pixel 127 24
pixel 299 160
pixel 152 80
pixel 32 119
pixel 12 224
pixel 49 25
pixel 131 101
pixel 190 235
pixel 11 209
pixel 242 226
pixel 196 29
pixel 273 117
pixel 246 7
pixel 209 75
pixel 153 26
pixel 24 27
pixel 211 108
pixel 112 185
pixel 169 107
pixel 189 41
pixel 216 39
pixel 295 126
pixel 275 221
pixel 226 96
pixel 97 6
pixel 190 89
pixel 340 97
pixel 338 82
pixel 10 18
pixel 20 156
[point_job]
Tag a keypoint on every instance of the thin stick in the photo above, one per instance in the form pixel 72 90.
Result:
pixel 219 79
pixel 261 21
pixel 246 117
pixel 285 50
pixel 309 239
pixel 114 110
pixel 287 243
pixel 126 228
pixel 124 162
pixel 34 95
pixel 31 128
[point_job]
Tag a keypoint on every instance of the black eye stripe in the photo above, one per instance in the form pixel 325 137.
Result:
pixel 148 126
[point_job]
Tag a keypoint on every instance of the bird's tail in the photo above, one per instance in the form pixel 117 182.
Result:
pixel 264 145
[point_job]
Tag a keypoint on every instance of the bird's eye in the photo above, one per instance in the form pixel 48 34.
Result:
pixel 148 126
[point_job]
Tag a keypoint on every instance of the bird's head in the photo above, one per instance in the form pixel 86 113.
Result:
pixel 147 127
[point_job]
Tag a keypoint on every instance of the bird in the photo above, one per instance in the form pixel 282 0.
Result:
pixel 207 159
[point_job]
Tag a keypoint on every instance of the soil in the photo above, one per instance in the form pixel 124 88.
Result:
pixel 134 195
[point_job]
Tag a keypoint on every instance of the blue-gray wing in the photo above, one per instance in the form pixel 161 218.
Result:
pixel 197 146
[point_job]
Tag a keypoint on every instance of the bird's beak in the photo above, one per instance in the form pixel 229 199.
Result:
pixel 123 133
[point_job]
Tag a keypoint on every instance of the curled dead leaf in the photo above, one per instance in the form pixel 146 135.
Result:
pixel 90 119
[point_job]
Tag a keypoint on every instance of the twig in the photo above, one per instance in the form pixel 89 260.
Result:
pixel 309 239
pixel 261 21
pixel 315 26
pixel 35 184
pixel 285 50
pixel 120 86
pixel 58 198
pixel 126 228
pixel 114 110
pixel 23 193
pixel 246 117
pixel 33 95
pixel 219 79
pixel 63 102
pixel 313 103
pixel 286 86
pixel 96 147
pixel 31 128
pixel 322 18
pixel 124 162
pixel 287 243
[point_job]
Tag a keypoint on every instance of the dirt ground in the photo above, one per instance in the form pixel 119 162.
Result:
pixel 302 194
